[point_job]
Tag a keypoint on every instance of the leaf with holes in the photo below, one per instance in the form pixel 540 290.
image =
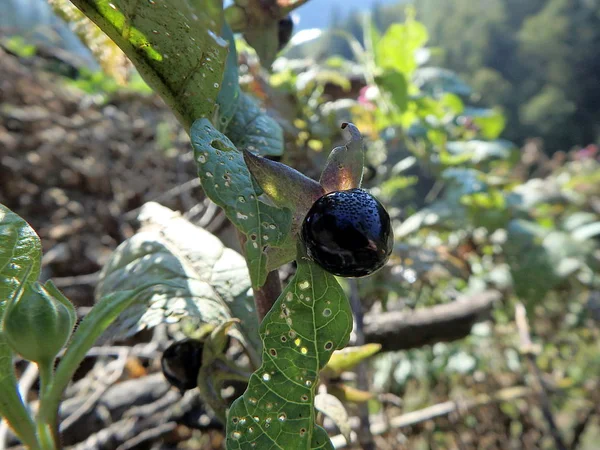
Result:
pixel 174 44
pixel 20 260
pixel 227 182
pixel 240 117
pixel 208 283
pixel 310 320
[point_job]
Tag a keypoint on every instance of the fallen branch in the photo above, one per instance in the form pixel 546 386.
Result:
pixel 399 330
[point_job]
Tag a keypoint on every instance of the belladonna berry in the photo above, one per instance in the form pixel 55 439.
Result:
pixel 348 233
pixel 181 363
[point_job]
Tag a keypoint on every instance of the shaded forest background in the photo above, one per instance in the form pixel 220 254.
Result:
pixel 539 60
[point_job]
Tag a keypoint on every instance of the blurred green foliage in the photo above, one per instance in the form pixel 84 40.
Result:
pixel 538 60
pixel 472 211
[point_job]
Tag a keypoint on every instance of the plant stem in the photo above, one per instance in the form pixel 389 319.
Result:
pixel 365 437
pixel 47 430
pixel 266 295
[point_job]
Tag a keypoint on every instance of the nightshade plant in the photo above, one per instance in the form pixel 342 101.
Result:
pixel 37 322
pixel 185 51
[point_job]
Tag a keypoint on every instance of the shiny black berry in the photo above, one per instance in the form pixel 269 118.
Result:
pixel 285 31
pixel 348 233
pixel 181 363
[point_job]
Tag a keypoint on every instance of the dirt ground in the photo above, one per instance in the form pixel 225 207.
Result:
pixel 76 167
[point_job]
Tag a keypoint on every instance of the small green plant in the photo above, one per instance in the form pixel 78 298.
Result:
pixel 38 324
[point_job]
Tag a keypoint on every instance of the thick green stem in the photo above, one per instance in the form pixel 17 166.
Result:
pixel 45 436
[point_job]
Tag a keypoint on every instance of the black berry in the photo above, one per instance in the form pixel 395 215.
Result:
pixel 348 233
pixel 285 31
pixel 181 363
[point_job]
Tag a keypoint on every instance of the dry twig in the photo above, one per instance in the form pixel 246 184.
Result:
pixel 439 410
pixel 529 351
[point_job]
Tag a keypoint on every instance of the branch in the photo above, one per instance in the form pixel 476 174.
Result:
pixel 399 330
pixel 529 351
pixel 266 295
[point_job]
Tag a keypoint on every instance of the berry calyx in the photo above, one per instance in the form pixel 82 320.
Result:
pixel 348 233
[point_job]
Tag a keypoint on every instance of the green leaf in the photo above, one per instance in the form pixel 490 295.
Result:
pixel 487 209
pixel 371 34
pixel 395 184
pixel 350 357
pixel 227 182
pixel 395 84
pixel 537 191
pixel 436 82
pixel 89 330
pixel 333 408
pixel 252 129
pixel 207 282
pixel 240 117
pixel 587 231
pixel 482 150
pixel 452 103
pixel 529 262
pixel 173 44
pixel 229 94
pixel 439 213
pixel 491 122
pixel 20 260
pixel 320 77
pixel 20 254
pixel 396 49
pixel 12 408
pixel 310 320
pixel 578 219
